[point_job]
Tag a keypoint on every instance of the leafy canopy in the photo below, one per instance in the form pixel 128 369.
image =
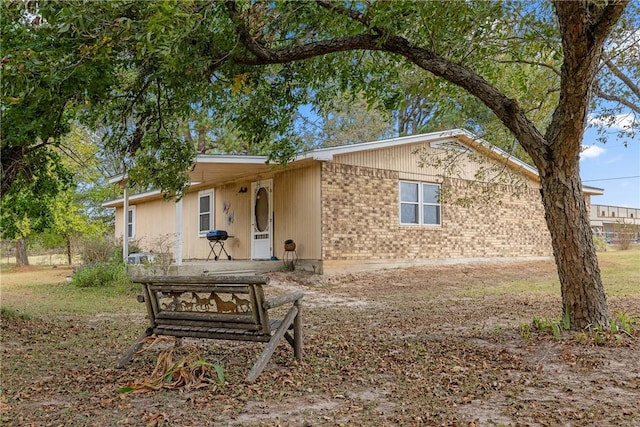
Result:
pixel 143 72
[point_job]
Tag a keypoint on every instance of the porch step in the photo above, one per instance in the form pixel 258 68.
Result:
pixel 228 272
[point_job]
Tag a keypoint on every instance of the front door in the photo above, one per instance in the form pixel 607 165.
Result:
pixel 261 220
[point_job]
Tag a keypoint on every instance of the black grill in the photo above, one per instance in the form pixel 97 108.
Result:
pixel 217 238
pixel 217 235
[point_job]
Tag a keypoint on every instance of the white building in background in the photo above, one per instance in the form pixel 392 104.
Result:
pixel 606 220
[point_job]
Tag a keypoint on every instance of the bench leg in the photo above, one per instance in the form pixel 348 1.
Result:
pixel 271 345
pixel 297 332
pixel 128 355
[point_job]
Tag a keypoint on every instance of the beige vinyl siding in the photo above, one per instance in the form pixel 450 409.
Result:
pixel 234 221
pixel 232 210
pixel 153 220
pixel 296 199
pixel 296 215
pixel 118 225
pixel 404 160
pixel 194 246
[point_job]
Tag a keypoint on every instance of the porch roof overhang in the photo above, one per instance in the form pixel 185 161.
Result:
pixel 592 191
pixel 136 198
pixel 219 169
pixel 213 170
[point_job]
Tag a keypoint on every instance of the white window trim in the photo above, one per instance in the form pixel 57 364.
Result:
pixel 131 209
pixel 204 193
pixel 420 204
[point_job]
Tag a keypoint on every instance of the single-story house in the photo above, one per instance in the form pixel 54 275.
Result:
pixel 422 198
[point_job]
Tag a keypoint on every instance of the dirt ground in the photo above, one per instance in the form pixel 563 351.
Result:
pixel 418 346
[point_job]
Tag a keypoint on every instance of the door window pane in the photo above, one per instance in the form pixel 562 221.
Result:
pixel 262 209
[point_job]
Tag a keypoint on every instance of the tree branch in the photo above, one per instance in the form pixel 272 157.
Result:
pixel 583 29
pixel 615 98
pixel 626 80
pixel 243 32
pixel 507 110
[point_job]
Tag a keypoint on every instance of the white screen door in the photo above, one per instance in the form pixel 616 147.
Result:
pixel 261 220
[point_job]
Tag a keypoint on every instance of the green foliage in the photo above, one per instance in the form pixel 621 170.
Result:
pixel 566 318
pixel 525 330
pixel 622 325
pixel 349 120
pixel 617 82
pixel 111 274
pixel 622 322
pixel 161 79
pixel 600 243
pixel 8 313
pixel 555 327
pixel 27 207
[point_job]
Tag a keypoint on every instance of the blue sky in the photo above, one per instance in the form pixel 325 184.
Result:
pixel 601 164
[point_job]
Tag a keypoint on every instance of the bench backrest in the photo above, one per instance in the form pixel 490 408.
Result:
pixel 230 302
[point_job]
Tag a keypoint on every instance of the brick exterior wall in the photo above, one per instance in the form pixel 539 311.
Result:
pixel 360 220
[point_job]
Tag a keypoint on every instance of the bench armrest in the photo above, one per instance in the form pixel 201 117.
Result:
pixel 283 299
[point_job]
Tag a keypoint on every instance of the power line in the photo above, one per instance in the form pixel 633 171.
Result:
pixel 611 179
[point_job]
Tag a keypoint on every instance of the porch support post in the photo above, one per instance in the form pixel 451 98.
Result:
pixel 125 223
pixel 178 248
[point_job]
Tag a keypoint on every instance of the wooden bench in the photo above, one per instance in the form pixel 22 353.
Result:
pixel 219 307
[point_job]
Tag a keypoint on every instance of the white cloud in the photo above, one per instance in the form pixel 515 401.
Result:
pixel 619 122
pixel 591 151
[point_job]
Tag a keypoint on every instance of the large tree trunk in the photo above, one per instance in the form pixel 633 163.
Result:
pixel 21 252
pixel 575 255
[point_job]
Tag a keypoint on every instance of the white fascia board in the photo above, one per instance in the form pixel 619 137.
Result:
pixel 486 144
pixel 328 153
pixel 113 203
pixel 236 159
pixel 118 178
pixel 594 191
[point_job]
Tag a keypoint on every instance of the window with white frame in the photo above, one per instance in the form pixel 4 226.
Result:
pixel 419 203
pixel 205 211
pixel 131 223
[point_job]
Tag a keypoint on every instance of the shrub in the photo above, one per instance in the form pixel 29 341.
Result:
pixel 105 249
pixel 625 235
pixel 600 243
pixel 105 274
pixel 99 250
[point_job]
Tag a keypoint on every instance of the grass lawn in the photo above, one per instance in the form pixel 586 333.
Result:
pixel 416 346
